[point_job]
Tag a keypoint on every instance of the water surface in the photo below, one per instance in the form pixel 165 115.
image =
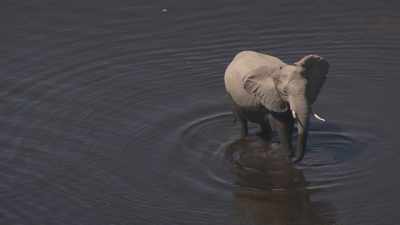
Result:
pixel 115 113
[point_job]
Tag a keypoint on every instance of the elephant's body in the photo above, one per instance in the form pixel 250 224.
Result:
pixel 266 91
pixel 258 114
pixel 239 69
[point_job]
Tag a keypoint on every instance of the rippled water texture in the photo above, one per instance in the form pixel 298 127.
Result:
pixel 116 113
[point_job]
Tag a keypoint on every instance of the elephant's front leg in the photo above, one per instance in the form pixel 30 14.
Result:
pixel 283 123
pixel 266 130
pixel 244 131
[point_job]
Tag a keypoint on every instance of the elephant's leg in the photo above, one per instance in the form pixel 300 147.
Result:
pixel 290 137
pixel 283 123
pixel 243 121
pixel 244 128
pixel 266 130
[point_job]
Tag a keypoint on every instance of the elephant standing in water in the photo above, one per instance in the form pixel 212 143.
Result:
pixel 267 91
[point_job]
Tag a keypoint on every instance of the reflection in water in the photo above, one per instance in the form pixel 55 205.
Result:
pixel 270 189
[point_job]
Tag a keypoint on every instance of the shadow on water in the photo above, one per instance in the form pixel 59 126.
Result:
pixel 270 190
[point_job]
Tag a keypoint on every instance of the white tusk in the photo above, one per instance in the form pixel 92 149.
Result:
pixel 294 114
pixel 319 118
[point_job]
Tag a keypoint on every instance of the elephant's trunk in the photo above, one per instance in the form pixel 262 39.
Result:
pixel 302 111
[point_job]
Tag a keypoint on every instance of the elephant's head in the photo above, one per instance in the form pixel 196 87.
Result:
pixel 292 87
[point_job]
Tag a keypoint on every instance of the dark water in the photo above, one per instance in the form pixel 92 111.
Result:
pixel 115 113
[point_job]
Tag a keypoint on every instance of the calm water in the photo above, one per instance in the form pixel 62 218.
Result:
pixel 116 113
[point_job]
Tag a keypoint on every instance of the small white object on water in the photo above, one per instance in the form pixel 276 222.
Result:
pixel 319 118
pixel 164 10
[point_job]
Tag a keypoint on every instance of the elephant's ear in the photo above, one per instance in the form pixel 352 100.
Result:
pixel 261 84
pixel 316 69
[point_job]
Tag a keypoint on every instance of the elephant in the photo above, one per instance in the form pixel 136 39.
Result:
pixel 269 92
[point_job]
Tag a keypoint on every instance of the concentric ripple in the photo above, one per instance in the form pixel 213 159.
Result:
pixel 201 148
pixel 329 160
pixel 332 156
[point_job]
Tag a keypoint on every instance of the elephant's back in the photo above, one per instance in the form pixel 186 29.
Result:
pixel 247 61
pixel 241 66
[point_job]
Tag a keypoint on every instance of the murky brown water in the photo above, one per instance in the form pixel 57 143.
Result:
pixel 116 113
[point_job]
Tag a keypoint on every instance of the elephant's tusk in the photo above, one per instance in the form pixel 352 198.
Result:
pixel 294 114
pixel 319 118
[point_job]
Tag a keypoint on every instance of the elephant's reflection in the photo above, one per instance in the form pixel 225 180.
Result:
pixel 270 190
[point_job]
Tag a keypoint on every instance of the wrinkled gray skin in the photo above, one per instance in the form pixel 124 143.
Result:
pixel 266 90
